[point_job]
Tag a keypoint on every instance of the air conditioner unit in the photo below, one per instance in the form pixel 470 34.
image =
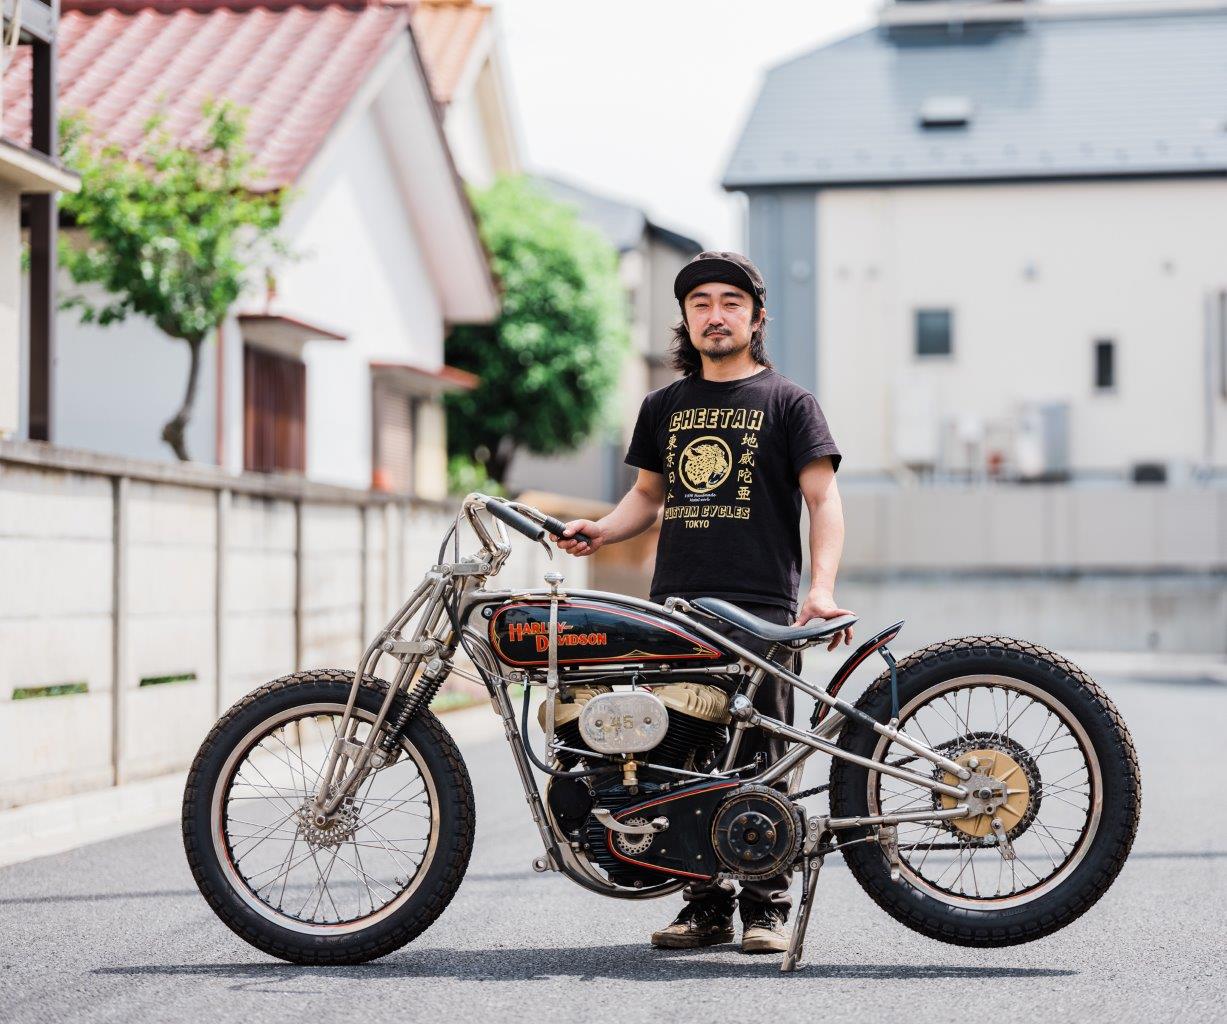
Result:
pixel 1041 442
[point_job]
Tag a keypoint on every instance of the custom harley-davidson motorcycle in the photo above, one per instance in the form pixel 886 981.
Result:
pixel 984 791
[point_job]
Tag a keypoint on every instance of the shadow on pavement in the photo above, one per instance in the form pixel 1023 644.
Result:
pixel 631 962
pixel 94 897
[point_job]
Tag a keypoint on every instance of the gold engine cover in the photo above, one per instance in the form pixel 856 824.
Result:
pixel 698 700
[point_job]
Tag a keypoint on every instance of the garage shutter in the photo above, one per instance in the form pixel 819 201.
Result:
pixel 393 440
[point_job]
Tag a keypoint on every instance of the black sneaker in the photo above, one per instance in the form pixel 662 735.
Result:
pixel 763 930
pixel 698 924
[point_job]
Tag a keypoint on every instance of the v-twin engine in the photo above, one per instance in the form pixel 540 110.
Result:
pixel 678 725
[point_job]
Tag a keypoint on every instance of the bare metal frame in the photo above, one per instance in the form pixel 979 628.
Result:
pixel 454 589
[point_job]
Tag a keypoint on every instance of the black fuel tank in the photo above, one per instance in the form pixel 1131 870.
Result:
pixel 593 631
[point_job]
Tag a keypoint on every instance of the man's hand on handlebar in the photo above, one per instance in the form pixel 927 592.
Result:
pixel 570 544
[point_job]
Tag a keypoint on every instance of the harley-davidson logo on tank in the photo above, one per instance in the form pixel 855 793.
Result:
pixel 520 635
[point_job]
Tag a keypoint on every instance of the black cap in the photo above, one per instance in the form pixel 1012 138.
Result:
pixel 725 267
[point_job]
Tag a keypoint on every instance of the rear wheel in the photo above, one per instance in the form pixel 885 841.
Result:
pixel 371 879
pixel 1040 735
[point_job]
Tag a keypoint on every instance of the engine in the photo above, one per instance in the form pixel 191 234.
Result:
pixel 694 735
pixel 697 716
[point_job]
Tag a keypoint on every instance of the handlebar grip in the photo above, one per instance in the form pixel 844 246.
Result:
pixel 557 526
pixel 519 523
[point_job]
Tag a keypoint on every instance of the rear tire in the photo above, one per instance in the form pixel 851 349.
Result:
pixel 279 934
pixel 1092 865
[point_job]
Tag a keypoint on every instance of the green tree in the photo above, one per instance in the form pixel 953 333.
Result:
pixel 170 231
pixel 551 361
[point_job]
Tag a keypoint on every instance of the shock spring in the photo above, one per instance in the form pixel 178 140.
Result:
pixel 419 697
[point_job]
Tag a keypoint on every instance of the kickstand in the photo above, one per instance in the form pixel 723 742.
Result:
pixel 811 865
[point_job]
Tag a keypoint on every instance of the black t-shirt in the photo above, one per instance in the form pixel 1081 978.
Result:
pixel 730 453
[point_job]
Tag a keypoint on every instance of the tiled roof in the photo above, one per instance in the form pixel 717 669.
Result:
pixel 294 64
pixel 445 31
pixel 1070 96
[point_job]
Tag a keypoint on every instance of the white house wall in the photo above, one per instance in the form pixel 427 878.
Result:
pixel 117 386
pixel 1128 261
pixel 466 135
pixel 363 273
pixel 10 310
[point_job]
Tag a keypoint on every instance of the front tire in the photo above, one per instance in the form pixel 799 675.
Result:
pixel 345 927
pixel 1101 801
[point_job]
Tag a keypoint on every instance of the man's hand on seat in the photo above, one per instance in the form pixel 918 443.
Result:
pixel 820 604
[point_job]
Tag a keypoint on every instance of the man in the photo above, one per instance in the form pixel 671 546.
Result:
pixel 731 450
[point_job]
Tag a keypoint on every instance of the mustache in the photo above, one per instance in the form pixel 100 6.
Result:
pixel 716 331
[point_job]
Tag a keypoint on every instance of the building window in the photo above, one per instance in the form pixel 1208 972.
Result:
pixel 933 332
pixel 274 412
pixel 1105 365
pixel 394 439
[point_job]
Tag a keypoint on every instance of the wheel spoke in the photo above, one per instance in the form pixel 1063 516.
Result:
pixel 1020 724
pixel 344 870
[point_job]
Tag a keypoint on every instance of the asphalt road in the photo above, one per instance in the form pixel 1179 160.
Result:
pixel 117 931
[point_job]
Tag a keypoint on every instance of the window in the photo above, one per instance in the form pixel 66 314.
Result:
pixel 933 332
pixel 394 439
pixel 946 112
pixel 1105 365
pixel 274 412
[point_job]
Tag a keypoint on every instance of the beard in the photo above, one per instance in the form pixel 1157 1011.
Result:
pixel 719 347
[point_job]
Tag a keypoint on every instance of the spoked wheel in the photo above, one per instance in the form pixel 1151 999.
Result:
pixel 1055 792
pixel 362 883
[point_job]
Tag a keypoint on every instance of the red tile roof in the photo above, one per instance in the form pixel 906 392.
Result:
pixel 446 31
pixel 451 378
pixel 296 65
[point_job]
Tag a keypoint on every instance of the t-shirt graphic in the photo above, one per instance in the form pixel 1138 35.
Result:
pixel 730 453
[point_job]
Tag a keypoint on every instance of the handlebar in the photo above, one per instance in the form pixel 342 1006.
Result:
pixel 557 526
pixel 523 524
pixel 517 521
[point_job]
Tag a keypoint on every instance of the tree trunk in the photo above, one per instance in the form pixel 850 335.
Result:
pixel 499 462
pixel 173 432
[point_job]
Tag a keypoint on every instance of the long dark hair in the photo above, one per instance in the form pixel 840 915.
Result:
pixel 686 358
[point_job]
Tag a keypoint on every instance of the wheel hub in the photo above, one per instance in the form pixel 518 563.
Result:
pixel 998 787
pixel 334 831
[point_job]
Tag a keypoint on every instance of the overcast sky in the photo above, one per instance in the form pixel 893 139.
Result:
pixel 643 100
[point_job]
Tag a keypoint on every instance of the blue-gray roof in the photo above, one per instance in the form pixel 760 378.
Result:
pixel 1082 96
pixel 622 223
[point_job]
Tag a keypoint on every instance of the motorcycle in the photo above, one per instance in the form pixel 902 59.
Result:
pixel 984 791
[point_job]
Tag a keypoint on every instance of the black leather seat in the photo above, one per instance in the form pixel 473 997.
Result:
pixel 815 629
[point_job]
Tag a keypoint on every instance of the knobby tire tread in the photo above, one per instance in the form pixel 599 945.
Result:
pixel 952 924
pixel 453 851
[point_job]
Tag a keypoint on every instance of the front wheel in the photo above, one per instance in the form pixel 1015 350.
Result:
pixel 1031 725
pixel 369 881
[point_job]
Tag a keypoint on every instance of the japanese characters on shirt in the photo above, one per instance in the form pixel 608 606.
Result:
pixel 699 463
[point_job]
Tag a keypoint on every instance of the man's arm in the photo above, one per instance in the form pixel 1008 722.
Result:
pixel 826 544
pixel 636 511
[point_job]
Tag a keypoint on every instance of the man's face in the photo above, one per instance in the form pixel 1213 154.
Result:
pixel 720 320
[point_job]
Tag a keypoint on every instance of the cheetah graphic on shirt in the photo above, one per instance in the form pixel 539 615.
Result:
pixel 705 464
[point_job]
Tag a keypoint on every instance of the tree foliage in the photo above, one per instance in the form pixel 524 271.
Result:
pixel 551 361
pixel 170 231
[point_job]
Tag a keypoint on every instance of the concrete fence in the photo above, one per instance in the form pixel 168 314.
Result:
pixel 1115 568
pixel 139 600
